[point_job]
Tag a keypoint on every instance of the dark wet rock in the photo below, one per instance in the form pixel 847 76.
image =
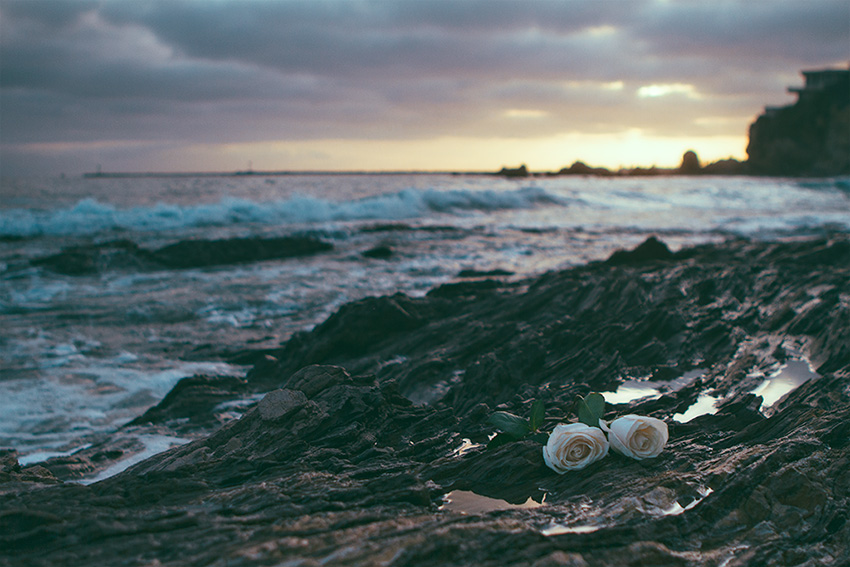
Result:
pixel 484 273
pixel 402 227
pixel 382 252
pixel 313 379
pixel 387 227
pixel 336 465
pixel 278 403
pixel 358 327
pixel 9 461
pixel 475 288
pixel 194 398
pixel 96 258
pixel 14 476
pixel 650 249
pixel 203 253
pixel 126 255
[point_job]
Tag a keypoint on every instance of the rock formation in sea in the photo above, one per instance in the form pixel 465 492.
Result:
pixel 127 255
pixel 367 444
pixel 690 163
pixel 810 137
pixel 521 171
pixel 581 168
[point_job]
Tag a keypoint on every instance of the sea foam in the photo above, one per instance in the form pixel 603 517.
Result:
pixel 90 216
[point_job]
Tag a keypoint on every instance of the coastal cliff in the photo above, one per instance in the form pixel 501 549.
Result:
pixel 810 137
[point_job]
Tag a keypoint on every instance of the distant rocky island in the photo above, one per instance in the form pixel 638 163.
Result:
pixel 808 138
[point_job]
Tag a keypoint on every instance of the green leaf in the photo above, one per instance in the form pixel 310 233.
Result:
pixel 501 439
pixel 538 412
pixel 540 437
pixel 591 409
pixel 596 403
pixel 509 423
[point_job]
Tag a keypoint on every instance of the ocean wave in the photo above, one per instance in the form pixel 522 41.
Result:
pixel 90 216
pixel 840 183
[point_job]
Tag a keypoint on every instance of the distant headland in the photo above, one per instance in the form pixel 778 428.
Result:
pixel 810 138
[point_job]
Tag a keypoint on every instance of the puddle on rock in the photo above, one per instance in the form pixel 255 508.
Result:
pixel 632 390
pixel 659 502
pixel 705 404
pixel 466 502
pixel 677 508
pixel 772 389
pixel 788 378
pixel 558 529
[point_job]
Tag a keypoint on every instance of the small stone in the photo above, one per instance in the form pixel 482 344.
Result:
pixel 278 403
pixel 9 460
pixel 37 473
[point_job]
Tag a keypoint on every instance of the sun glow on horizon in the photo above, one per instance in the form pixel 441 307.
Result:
pixel 627 149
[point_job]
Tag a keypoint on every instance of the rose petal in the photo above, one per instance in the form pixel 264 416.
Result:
pixel 573 446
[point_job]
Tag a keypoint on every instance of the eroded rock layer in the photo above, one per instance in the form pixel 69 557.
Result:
pixel 375 418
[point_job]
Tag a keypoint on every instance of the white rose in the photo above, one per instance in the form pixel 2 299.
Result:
pixel 573 446
pixel 636 436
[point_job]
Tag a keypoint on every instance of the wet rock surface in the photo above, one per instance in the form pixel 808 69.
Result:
pixel 366 423
pixel 127 255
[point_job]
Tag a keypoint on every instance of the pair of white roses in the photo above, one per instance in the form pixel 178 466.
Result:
pixel 573 446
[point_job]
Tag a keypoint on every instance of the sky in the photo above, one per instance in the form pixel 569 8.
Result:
pixel 463 85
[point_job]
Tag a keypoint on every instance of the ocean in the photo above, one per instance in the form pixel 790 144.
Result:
pixel 81 355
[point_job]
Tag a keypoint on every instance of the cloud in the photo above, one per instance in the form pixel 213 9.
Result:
pixel 188 72
pixel 665 89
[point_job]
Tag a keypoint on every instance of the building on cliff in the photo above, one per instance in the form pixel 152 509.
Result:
pixel 809 137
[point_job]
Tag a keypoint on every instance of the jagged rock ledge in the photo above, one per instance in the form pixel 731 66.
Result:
pixel 337 464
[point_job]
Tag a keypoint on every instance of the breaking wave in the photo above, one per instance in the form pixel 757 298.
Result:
pixel 90 216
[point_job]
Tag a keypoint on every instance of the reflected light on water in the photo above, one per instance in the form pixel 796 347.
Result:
pixel 677 508
pixel 631 390
pixel 705 404
pixel 466 502
pixel 792 375
pixel 558 529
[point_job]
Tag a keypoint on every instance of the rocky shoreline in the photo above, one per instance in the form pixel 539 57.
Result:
pixel 368 433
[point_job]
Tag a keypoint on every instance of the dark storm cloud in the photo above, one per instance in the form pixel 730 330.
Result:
pixel 219 71
pixel 760 30
pixel 353 37
pixel 51 14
